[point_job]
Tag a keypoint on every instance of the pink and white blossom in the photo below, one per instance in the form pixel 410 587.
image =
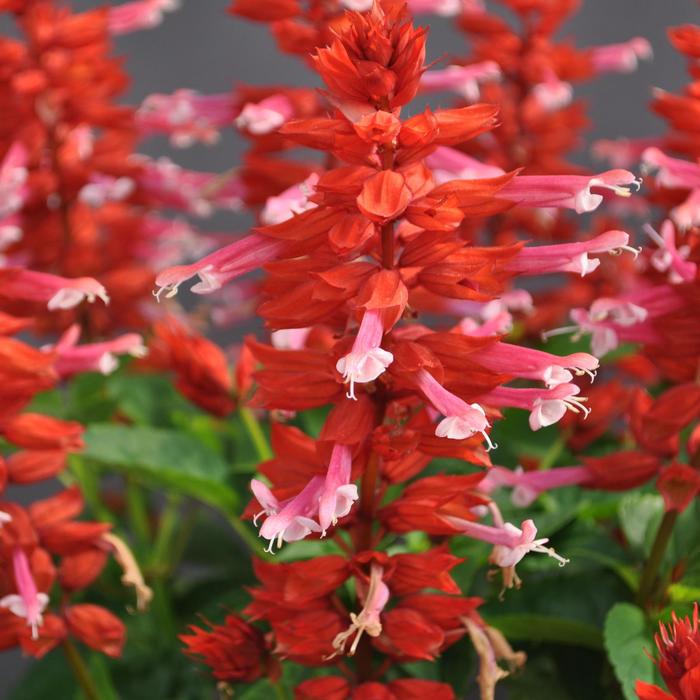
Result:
pixel 265 116
pixel 57 292
pixel 221 266
pixel 186 116
pixel 72 358
pixel 367 360
pixel 294 200
pixel 570 257
pixel 28 602
pixel 138 14
pixel 462 80
pixel 621 58
pixel 462 420
pixel 569 191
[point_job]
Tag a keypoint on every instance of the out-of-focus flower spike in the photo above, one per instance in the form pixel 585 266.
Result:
pixel 13 178
pixel 186 116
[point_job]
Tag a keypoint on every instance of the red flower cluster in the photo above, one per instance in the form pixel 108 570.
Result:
pixel 358 257
pixel 44 551
pixel 679 661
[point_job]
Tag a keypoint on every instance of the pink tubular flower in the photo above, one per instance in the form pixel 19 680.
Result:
pixel 193 192
pixel 27 602
pixel 265 116
pixel 546 406
pixel 57 292
pixel 528 363
pixel 511 543
pixel 671 172
pixel 687 214
pixel 527 486
pixel 290 338
pixel 294 200
pixel 462 420
pixel 668 257
pixel 552 94
pixel 622 153
pixel 621 58
pixel 443 8
pixel 93 357
pixel 450 164
pixel 569 191
pixel 290 520
pixel 138 14
pixel 612 321
pixel 221 266
pixel 463 80
pixel 367 360
pixel 368 619
pixel 13 178
pixel 570 257
pixel 186 116
pixel 338 493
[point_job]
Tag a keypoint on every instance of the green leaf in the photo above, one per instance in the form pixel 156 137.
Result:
pixel 547 628
pixel 626 636
pixel 163 459
pixel 639 515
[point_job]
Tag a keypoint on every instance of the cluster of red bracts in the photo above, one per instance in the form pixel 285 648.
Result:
pixel 45 552
pixel 353 254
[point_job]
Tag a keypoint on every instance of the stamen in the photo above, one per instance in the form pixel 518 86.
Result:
pixel 546 335
pixel 491 445
pixel 654 235
pixel 549 551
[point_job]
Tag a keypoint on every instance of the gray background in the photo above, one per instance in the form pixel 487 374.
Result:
pixel 200 47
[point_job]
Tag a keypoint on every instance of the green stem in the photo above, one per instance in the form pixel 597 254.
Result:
pixel 650 574
pixel 80 671
pixel 137 508
pixel 256 434
pixel 280 691
pixel 165 537
pixel 89 480
pixel 554 452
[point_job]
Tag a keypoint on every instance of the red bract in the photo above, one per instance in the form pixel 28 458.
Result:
pixel 678 647
pixel 235 651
